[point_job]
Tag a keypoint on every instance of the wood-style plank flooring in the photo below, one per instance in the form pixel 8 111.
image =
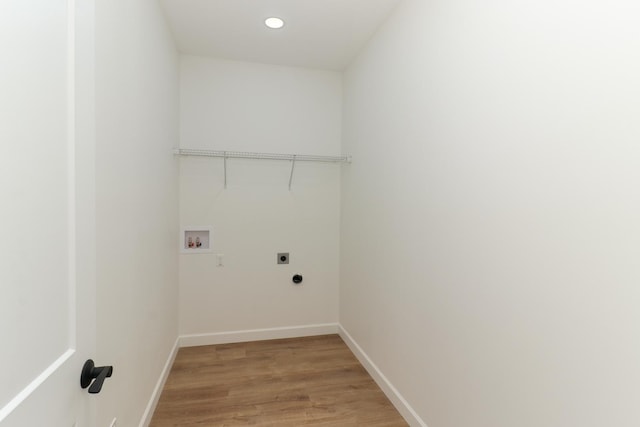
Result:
pixel 291 382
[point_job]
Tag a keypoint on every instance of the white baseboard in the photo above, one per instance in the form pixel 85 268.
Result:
pixel 157 391
pixel 258 335
pixel 389 390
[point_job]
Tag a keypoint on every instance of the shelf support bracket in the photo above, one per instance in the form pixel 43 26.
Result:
pixel 225 170
pixel 293 165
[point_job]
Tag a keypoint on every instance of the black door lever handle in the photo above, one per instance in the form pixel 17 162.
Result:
pixel 90 373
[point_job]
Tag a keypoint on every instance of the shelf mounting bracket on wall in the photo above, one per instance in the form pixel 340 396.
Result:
pixel 293 158
pixel 225 170
pixel 293 165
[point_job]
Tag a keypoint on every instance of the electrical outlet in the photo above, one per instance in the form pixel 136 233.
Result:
pixel 283 258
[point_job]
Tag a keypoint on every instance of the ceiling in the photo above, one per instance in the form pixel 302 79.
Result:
pixel 324 34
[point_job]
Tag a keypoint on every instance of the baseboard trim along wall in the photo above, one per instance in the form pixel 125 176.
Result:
pixel 389 390
pixel 258 335
pixel 157 391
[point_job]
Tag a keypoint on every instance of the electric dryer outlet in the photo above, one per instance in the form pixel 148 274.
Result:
pixel 283 258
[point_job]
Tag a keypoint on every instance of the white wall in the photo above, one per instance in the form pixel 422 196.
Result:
pixel 490 217
pixel 137 203
pixel 228 105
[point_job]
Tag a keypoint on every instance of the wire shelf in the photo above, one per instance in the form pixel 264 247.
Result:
pixel 261 156
pixel 293 158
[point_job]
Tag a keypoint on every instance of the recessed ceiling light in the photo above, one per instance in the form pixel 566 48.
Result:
pixel 274 23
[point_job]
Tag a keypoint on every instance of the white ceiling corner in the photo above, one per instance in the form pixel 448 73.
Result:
pixel 323 34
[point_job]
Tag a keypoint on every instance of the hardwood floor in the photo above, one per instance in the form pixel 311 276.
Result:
pixel 291 382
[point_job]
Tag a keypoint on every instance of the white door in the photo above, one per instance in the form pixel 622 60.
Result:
pixel 47 273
